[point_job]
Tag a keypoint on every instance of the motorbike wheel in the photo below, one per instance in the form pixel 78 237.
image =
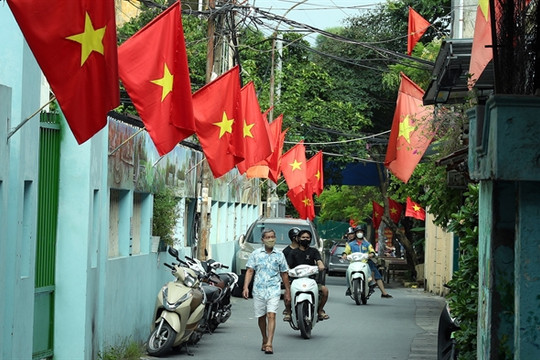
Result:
pixel 356 291
pixel 160 343
pixel 363 292
pixel 304 322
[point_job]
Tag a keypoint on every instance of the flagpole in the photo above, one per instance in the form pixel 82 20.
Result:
pixel 125 141
pixel 30 117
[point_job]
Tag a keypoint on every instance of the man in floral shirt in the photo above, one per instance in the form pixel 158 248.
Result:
pixel 270 269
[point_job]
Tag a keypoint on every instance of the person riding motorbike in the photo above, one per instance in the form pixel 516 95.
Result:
pixel 360 244
pixel 307 255
pixel 293 233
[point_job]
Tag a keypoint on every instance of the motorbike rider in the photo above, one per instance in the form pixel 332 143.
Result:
pixel 360 244
pixel 306 255
pixel 293 233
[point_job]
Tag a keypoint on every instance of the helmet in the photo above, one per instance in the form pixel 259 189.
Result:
pixel 293 233
pixel 350 231
pixel 360 228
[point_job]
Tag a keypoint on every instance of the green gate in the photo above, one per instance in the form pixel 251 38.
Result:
pixel 49 164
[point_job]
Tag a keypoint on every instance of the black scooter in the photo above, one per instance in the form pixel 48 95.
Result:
pixel 446 344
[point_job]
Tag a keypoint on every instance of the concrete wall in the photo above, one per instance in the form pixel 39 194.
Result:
pixel 439 255
pixel 21 95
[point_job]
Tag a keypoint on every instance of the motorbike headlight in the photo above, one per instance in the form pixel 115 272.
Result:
pixel 190 280
pixel 172 306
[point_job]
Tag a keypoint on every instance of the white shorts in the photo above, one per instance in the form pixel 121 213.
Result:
pixel 263 306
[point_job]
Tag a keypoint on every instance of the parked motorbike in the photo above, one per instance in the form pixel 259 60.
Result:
pixel 304 299
pixel 219 287
pixel 178 311
pixel 446 344
pixel 359 277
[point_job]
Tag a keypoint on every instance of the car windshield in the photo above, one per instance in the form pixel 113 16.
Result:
pixel 338 249
pixel 282 232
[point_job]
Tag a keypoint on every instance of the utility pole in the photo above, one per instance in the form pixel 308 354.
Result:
pixel 204 198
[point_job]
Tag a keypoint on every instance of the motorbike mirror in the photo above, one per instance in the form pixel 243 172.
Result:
pixel 173 252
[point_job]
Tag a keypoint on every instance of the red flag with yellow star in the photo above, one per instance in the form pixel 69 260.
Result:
pixel 218 120
pixel 414 210
pixel 269 167
pixel 255 130
pixel 411 131
pixel 74 43
pixel 302 200
pixel 481 51
pixel 394 209
pixel 417 27
pixel 315 174
pixel 294 167
pixel 378 212
pixel 153 68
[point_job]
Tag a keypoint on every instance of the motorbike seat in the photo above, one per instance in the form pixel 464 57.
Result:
pixel 212 292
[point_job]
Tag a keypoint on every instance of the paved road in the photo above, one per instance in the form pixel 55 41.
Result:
pixel 402 328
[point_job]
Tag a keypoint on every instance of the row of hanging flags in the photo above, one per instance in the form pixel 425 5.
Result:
pixel 82 63
pixel 412 129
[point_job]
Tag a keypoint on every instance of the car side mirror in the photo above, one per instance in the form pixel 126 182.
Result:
pixel 242 240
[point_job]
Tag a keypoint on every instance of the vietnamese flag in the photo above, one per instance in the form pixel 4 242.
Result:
pixel 74 43
pixel 417 27
pixel 255 130
pixel 269 167
pixel 218 120
pixel 302 200
pixel 378 212
pixel 153 67
pixel 411 131
pixel 481 54
pixel 394 210
pixel 414 210
pixel 314 173
pixel 294 167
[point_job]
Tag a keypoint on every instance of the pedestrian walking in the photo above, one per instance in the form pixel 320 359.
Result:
pixel 270 269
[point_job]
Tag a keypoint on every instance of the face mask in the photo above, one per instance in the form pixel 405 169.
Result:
pixel 304 243
pixel 359 235
pixel 270 242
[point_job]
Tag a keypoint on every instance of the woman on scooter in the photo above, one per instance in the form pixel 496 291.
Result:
pixel 306 255
pixel 360 244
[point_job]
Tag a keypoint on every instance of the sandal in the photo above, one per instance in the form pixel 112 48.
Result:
pixel 263 347
pixel 287 317
pixel 323 316
pixel 269 349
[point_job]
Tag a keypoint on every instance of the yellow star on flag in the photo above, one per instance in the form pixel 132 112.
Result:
pixel 393 210
pixel 306 201
pixel 91 39
pixel 416 207
pixel 247 129
pixel 166 82
pixel 225 125
pixel 295 165
pixel 318 175
pixel 405 129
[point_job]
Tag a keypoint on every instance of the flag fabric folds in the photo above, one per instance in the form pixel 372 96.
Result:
pixel 315 176
pixel 218 114
pixel 378 212
pixel 255 130
pixel 394 210
pixel 302 200
pixel 74 43
pixel 153 68
pixel 481 55
pixel 417 27
pixel 278 139
pixel 414 210
pixel 411 131
pixel 293 166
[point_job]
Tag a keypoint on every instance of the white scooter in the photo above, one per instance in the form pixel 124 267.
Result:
pixel 359 277
pixel 178 311
pixel 304 299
